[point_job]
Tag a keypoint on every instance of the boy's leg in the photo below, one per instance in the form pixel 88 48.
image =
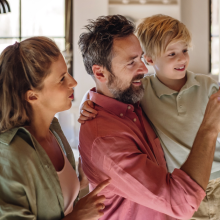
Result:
pixel 209 208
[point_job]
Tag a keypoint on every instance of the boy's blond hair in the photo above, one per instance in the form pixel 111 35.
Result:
pixel 157 32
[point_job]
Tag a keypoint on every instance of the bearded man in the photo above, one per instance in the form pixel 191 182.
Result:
pixel 121 145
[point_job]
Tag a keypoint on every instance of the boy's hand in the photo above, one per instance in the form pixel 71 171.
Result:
pixel 87 111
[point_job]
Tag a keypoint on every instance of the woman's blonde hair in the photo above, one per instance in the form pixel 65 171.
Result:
pixel 155 33
pixel 23 66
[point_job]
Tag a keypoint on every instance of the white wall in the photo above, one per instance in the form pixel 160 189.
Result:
pixel 195 15
pixel 84 10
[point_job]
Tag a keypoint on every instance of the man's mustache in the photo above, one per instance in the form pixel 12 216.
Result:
pixel 141 76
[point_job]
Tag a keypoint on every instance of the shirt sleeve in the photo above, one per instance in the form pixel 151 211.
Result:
pixel 213 86
pixel 135 177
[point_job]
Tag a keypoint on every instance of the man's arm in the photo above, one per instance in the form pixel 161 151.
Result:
pixel 136 177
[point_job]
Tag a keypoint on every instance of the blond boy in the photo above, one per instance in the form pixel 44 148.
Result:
pixel 175 99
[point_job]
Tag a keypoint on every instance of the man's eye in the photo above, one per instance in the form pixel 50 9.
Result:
pixel 62 79
pixel 131 63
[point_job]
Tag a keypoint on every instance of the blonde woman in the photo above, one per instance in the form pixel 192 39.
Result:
pixel 37 176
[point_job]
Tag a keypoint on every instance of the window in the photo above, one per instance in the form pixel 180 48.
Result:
pixel 215 37
pixel 33 18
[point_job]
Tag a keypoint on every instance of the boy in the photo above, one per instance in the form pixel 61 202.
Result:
pixel 175 99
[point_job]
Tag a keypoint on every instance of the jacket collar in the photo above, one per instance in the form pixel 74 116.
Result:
pixel 7 137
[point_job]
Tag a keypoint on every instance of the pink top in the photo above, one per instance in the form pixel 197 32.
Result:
pixel 120 143
pixel 69 184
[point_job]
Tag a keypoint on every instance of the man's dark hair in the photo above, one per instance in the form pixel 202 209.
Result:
pixel 96 44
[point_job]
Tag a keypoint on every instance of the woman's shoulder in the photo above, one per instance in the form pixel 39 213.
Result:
pixel 16 145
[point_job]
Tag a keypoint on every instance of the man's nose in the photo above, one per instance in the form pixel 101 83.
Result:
pixel 143 68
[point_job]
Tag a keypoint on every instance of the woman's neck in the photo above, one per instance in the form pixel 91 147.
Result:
pixel 39 125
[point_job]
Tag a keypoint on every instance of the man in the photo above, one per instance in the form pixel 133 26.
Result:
pixel 120 143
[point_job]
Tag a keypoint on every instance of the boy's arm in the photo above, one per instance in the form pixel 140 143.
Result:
pixel 199 162
pixel 86 108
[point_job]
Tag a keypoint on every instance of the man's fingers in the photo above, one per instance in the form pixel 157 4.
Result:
pixel 100 187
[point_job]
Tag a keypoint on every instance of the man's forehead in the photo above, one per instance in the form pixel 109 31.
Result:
pixel 127 47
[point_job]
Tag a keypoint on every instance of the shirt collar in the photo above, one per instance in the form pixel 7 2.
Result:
pixel 8 136
pixel 110 104
pixel 160 89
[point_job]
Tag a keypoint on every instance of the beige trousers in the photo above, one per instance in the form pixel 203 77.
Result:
pixel 209 208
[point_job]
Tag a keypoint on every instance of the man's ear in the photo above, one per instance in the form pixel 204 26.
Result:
pixel 149 60
pixel 99 73
pixel 31 96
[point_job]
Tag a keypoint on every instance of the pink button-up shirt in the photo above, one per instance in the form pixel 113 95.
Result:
pixel 120 144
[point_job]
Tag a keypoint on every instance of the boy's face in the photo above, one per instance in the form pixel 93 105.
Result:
pixel 172 64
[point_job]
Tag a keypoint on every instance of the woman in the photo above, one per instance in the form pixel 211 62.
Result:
pixel 37 176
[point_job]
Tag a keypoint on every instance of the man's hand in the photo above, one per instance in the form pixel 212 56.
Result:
pixel 87 111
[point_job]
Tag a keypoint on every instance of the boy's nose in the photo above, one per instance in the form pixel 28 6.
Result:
pixel 182 58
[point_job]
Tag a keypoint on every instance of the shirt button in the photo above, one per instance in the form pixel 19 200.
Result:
pixel 129 107
pixel 180 106
pixel 179 97
pixel 121 115
pixel 135 119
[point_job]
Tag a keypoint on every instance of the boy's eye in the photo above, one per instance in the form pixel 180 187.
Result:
pixel 185 51
pixel 171 54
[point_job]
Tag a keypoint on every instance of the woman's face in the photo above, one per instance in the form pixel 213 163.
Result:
pixel 57 92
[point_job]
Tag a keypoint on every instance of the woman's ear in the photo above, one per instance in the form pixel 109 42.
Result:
pixel 31 96
pixel 99 73
pixel 149 60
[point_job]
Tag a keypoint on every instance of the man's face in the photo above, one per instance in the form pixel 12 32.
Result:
pixel 127 70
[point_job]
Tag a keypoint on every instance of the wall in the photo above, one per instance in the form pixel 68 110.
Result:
pixel 195 15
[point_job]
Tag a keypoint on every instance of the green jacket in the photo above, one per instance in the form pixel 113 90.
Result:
pixel 29 185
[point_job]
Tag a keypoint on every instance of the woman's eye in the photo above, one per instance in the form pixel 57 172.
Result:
pixel 62 79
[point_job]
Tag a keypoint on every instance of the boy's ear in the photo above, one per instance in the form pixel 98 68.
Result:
pixel 31 96
pixel 99 73
pixel 149 60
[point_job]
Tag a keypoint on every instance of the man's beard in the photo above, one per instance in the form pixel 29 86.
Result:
pixel 131 95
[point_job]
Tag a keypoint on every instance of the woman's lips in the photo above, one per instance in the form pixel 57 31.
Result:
pixel 71 97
